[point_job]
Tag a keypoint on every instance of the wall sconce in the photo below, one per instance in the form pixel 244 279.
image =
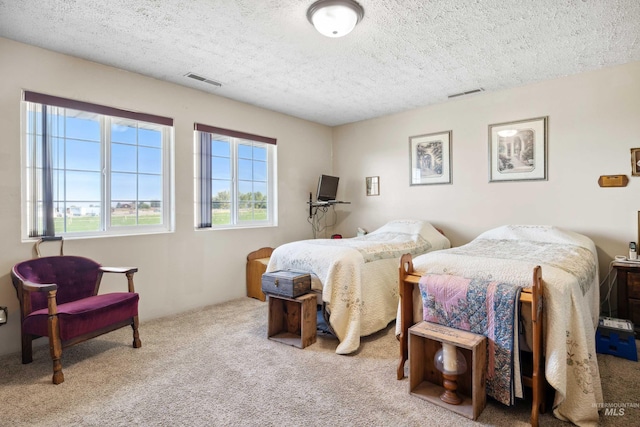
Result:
pixel 4 314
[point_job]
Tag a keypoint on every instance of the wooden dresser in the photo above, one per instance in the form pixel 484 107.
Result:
pixel 628 285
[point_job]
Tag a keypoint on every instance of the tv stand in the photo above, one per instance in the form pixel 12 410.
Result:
pixel 317 210
pixel 313 206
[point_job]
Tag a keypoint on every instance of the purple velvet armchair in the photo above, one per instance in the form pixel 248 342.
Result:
pixel 59 299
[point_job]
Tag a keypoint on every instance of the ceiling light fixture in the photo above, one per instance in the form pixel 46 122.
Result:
pixel 335 18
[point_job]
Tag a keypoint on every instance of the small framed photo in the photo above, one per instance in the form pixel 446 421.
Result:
pixel 430 158
pixel 373 185
pixel 518 150
pixel 635 161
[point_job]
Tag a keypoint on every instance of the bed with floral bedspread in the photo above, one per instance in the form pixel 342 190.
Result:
pixel 358 277
pixel 507 255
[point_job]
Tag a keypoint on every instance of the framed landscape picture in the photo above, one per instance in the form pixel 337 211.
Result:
pixel 430 158
pixel 518 150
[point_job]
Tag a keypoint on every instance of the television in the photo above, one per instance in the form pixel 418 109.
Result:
pixel 327 188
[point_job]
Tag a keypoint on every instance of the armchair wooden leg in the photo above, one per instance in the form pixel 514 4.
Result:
pixel 27 349
pixel 58 376
pixel 55 347
pixel 136 336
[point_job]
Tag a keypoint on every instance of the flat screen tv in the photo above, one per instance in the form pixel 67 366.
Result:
pixel 327 188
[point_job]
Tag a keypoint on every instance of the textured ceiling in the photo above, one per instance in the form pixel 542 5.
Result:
pixel 404 54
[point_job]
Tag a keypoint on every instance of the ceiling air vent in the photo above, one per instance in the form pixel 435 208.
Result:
pixel 203 79
pixel 469 92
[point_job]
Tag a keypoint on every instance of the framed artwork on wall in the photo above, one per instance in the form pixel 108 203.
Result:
pixel 518 150
pixel 373 185
pixel 430 158
pixel 635 161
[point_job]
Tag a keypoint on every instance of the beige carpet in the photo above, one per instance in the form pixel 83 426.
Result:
pixel 215 367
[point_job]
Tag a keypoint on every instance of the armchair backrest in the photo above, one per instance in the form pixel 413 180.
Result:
pixel 75 276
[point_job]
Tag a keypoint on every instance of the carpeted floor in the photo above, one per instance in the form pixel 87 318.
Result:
pixel 215 367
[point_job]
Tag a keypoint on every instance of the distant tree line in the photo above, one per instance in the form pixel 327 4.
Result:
pixel 222 200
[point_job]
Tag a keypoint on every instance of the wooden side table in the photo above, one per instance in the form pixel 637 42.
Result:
pixel 293 321
pixel 425 381
pixel 257 262
pixel 628 288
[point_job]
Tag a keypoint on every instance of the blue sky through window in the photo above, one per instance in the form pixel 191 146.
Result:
pixel 136 157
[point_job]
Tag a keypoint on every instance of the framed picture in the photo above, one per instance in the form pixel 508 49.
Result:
pixel 430 158
pixel 373 186
pixel 635 161
pixel 518 150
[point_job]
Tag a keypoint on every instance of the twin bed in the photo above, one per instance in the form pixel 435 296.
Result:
pixel 496 285
pixel 480 287
pixel 357 278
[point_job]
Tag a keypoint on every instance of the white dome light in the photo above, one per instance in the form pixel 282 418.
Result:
pixel 335 18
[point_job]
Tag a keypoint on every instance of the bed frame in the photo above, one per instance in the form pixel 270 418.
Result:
pixel 531 297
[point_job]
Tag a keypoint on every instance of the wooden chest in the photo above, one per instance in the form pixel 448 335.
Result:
pixel 288 283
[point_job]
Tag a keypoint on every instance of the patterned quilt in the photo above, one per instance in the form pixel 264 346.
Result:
pixel 482 307
pixel 569 264
pixel 359 276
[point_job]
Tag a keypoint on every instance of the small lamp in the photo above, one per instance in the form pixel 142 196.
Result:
pixel 451 362
pixel 4 314
pixel 335 18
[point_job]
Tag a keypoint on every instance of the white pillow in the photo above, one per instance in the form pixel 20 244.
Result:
pixel 415 227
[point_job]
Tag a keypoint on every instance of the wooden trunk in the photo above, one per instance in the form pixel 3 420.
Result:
pixel 287 283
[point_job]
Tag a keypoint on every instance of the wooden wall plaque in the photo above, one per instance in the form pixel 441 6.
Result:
pixel 613 180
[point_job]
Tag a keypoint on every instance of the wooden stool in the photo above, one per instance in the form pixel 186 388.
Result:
pixel 293 321
pixel 425 381
pixel 256 266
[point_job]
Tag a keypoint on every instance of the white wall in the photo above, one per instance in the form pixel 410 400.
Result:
pixel 179 270
pixel 594 121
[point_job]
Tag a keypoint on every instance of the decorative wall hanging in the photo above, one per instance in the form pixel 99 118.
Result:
pixel 373 186
pixel 430 158
pixel 635 161
pixel 518 150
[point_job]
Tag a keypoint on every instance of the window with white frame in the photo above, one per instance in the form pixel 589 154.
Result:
pixel 91 170
pixel 235 179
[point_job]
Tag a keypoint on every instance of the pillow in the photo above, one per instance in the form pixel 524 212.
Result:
pixel 415 227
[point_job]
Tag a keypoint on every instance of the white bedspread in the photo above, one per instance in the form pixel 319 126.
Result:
pixel 358 276
pixel 571 301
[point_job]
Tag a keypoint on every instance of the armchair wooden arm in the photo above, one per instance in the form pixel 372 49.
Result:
pixel 128 271
pixel 38 287
pixel 119 269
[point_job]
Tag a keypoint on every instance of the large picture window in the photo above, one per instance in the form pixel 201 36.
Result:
pixel 235 180
pixel 93 170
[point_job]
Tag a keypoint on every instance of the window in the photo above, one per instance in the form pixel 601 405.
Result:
pixel 235 181
pixel 92 170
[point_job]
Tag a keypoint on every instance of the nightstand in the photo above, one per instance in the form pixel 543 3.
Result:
pixel 628 286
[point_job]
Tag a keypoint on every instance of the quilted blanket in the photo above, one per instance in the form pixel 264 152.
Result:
pixel 508 254
pixel 483 307
pixel 358 277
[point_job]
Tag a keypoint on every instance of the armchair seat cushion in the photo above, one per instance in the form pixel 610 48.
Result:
pixel 85 315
